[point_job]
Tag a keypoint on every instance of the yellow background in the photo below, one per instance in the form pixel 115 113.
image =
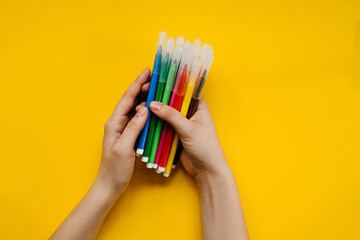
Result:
pixel 284 92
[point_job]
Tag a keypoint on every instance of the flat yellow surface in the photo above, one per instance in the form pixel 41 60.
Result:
pixel 284 92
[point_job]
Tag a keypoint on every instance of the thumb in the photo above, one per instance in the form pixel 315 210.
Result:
pixel 172 116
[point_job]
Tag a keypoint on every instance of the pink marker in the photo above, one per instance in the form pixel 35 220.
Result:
pixel 161 145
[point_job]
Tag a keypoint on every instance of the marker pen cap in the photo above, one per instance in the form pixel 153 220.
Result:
pixel 187 44
pixel 195 69
pixel 204 49
pixel 197 42
pixel 169 46
pixel 203 76
pixel 166 59
pixel 173 67
pixel 161 42
pixel 159 53
pixel 196 50
pixel 175 60
pixel 183 73
pixel 180 41
pixel 197 47
pixel 205 54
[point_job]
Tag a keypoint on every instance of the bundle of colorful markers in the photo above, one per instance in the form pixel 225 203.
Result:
pixel 177 80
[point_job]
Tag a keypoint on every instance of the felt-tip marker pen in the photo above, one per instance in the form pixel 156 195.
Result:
pixel 152 90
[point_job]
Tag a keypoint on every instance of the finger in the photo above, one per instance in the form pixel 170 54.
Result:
pixel 127 100
pixel 119 116
pixel 140 106
pixel 140 98
pixel 133 129
pixel 173 117
pixel 145 87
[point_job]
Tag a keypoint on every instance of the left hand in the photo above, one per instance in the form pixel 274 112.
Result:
pixel 121 132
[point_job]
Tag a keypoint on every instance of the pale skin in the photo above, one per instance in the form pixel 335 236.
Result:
pixel 202 158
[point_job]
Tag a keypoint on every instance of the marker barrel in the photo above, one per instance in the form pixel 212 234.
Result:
pixel 150 98
pixel 161 144
pixel 172 153
pixel 144 132
pixel 166 149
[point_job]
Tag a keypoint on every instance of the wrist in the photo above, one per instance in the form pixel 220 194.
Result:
pixel 218 177
pixel 106 190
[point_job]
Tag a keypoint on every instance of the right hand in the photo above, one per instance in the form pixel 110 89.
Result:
pixel 202 153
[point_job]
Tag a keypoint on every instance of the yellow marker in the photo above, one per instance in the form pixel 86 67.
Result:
pixel 184 108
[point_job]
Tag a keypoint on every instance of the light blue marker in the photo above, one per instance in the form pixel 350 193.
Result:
pixel 152 90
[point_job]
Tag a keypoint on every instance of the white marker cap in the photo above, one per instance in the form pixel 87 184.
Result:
pixel 185 64
pixel 207 62
pixel 205 50
pixel 197 42
pixel 169 47
pixel 196 47
pixel 144 159
pixel 161 169
pixel 195 70
pixel 180 41
pixel 187 44
pixel 166 174
pixel 155 165
pixel 149 165
pixel 139 152
pixel 161 42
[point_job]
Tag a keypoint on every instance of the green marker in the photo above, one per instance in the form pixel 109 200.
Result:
pixel 165 99
pixel 158 96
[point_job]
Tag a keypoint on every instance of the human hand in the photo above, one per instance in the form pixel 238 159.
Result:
pixel 121 132
pixel 203 154
pixel 204 159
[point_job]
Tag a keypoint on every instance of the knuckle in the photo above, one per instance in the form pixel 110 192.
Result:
pixel 127 97
pixel 132 125
pixel 108 125
pixel 118 151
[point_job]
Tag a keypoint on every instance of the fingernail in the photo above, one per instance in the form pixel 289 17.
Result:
pixel 155 106
pixel 142 111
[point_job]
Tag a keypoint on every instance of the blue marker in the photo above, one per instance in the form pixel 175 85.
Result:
pixel 152 89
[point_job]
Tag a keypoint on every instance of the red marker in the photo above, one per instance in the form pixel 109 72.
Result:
pixel 175 102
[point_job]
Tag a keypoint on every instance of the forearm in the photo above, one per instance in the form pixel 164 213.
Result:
pixel 222 214
pixel 86 219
